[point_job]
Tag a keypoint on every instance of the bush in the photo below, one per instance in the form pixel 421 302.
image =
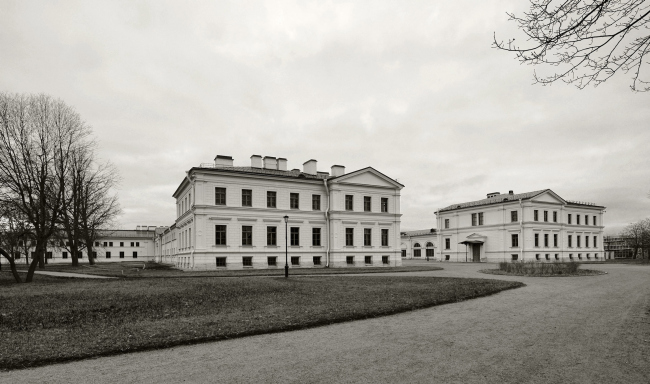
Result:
pixel 538 268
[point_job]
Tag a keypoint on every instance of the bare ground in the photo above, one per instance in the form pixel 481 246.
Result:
pixel 591 329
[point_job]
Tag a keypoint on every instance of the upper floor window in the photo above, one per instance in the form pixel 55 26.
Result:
pixel 220 234
pixel 246 235
pixel 569 240
pixel 384 238
pixel 447 243
pixel 367 203
pixel 513 216
pixel 594 222
pixel 477 219
pixel 536 215
pixel 384 204
pixel 578 241
pixel 295 236
pixel 348 203
pixel 367 236
pixel 247 198
pixel 555 240
pixel 569 218
pixel 537 239
pixel 315 237
pixel 446 223
pixel 271 199
pixel 315 202
pixel 515 239
pixel 545 215
pixel 480 218
pixel 595 241
pixel 271 236
pixel 349 236
pixel 578 219
pixel 294 200
pixel 586 241
pixel 219 196
pixel 586 219
pixel 546 239
pixel 555 216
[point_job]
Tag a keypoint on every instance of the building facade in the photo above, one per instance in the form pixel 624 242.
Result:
pixel 233 217
pixel 618 247
pixel 537 225
pixel 419 245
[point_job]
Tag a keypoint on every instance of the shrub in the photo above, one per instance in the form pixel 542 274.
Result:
pixel 539 268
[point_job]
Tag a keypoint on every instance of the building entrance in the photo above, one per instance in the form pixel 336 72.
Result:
pixel 476 253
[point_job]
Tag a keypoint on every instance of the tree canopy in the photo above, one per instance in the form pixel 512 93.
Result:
pixel 589 41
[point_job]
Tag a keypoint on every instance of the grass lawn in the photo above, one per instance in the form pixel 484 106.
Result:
pixel 143 269
pixel 55 320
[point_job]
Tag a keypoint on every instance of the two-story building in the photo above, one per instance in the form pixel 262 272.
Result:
pixel 537 225
pixel 238 217
pixel 418 245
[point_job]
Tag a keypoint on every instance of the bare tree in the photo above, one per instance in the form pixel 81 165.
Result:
pixel 587 40
pixel 37 136
pixel 13 231
pixel 638 237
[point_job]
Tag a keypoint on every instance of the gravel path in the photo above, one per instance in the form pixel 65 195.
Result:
pixel 70 274
pixel 593 329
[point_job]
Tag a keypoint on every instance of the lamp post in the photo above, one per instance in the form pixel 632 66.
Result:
pixel 286 247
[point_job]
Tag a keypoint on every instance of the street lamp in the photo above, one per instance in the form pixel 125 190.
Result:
pixel 286 248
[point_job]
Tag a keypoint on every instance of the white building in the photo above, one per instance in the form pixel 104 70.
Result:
pixel 537 225
pixel 420 244
pixel 233 217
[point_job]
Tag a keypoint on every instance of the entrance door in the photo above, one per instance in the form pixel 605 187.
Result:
pixel 476 253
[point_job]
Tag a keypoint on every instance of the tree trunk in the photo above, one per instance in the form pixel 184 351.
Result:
pixel 75 256
pixel 40 254
pixel 89 247
pixel 31 270
pixel 12 265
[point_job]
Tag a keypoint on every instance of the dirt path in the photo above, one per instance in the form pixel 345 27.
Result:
pixel 555 330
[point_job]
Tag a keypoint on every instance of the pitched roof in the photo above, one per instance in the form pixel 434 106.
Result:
pixel 125 233
pixel 265 171
pixel 420 232
pixel 500 198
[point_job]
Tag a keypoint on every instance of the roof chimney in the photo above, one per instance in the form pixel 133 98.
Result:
pixel 270 162
pixel 338 170
pixel 510 192
pixel 282 164
pixel 309 167
pixel 223 161
pixel 493 194
pixel 256 161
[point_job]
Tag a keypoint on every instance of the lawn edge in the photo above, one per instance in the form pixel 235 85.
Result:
pixel 498 272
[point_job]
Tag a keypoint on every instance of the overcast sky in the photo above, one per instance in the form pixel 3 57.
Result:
pixel 413 89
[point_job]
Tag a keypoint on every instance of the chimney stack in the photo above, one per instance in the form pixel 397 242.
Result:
pixel 256 161
pixel 493 194
pixel 270 162
pixel 282 164
pixel 223 161
pixel 338 170
pixel 510 192
pixel 309 167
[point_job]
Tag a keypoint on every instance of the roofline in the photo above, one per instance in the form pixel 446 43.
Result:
pixel 363 169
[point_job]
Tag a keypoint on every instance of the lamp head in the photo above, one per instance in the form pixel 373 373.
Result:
pixel 286 219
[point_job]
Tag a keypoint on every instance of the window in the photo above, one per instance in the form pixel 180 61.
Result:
pixel 594 222
pixel 547 256
pixel 586 241
pixel 80 255
pixel 219 196
pixel 135 255
pixel 367 260
pixel 132 244
pixel 595 242
pixel 272 261
pixel 295 236
pixel 137 243
pixel 96 244
pixel 545 215
pixel 295 260
pixel 586 219
pixel 515 239
pixel 48 255
pixel 555 216
pixel 121 243
pixel 63 255
pixel 246 197
pixel 247 261
pixel 536 215
pixel 557 256
pixel 512 257
pixel 474 221
pixel 417 252
pixel 569 218
pixel 221 261
pixel 447 243
pixel 446 223
pixel 121 255
pixel 220 235
pixel 367 204
pixel 537 239
pixel 367 236
pixel 588 258
pixel 569 241
pixel 555 240
pixel 385 260
pixel 108 255
pixel 513 216
pixel 315 237
pixel 247 235
pixel 579 256
pixel 578 221
pixel 271 236
pixel 578 241
pixel 476 216
pixel 294 201
pixel 316 260
pixel 105 243
pixel 384 204
pixel 349 237
pixel 446 257
pixel 403 252
pixel 384 237
pixel 570 256
pixel 537 256
pixel 349 259
pixel 480 218
pixel 348 203
pixel 315 202
pixel 271 199
pixel 430 250
pixel 546 239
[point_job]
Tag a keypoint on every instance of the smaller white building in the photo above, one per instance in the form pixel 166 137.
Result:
pixel 419 244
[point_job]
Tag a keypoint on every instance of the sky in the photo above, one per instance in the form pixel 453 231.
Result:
pixel 413 89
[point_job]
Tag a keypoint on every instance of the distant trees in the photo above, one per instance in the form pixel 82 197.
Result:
pixel 588 41
pixel 50 181
pixel 638 238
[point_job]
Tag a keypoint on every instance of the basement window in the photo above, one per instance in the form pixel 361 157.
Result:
pixel 221 261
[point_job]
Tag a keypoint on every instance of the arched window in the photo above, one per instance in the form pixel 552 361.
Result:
pixel 430 251
pixel 417 252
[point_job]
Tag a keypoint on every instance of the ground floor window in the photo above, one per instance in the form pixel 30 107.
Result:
pixel 316 260
pixel 17 255
pixel 48 255
pixel 548 257
pixel 570 256
pixel 247 261
pixel 447 257
pixel 514 257
pixel 579 256
pixel 368 259
pixel 430 252
pixel 108 254
pixel 403 252
pixel 349 259
pixel 537 256
pixel 385 260
pixel 295 260
pixel 595 255
pixel 557 257
pixel 272 261
pixel 221 261
pixel 135 255
pixel 63 255
pixel 588 258
pixel 121 254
